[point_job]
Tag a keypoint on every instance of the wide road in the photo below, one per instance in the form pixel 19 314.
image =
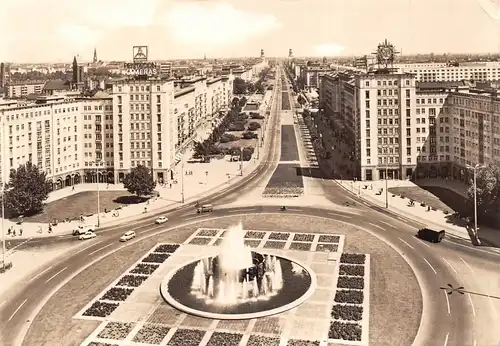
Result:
pixel 447 319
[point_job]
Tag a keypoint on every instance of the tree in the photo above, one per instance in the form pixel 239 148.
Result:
pixel 301 100
pixel 239 86
pixel 487 191
pixel 139 181
pixel 26 191
pixel 204 150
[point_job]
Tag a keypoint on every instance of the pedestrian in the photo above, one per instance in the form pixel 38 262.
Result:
pixel 8 231
pixel 170 185
pixel 73 188
pixel 50 228
pixel 21 232
pixel 13 233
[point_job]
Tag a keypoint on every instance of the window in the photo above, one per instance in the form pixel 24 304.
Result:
pixel 367 94
pixel 368 152
pixel 367 123
pixel 408 151
pixel 367 113
pixel 408 93
pixel 367 103
pixel 367 143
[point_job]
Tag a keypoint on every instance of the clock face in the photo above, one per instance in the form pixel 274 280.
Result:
pixel 385 53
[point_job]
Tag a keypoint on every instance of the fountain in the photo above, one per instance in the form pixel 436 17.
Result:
pixel 237 282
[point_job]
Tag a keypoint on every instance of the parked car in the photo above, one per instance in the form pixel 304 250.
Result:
pixel 205 208
pixel 161 219
pixel 82 229
pixel 431 235
pixel 87 235
pixel 127 236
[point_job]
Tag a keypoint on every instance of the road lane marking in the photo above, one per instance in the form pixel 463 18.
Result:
pixel 426 261
pixel 377 226
pixel 449 310
pixel 241 210
pixel 411 247
pixel 2 303
pixel 467 264
pixel 388 224
pixel 447 336
pixel 340 215
pixel 471 305
pixel 473 248
pixel 291 209
pixel 59 272
pixel 449 264
pixel 424 243
pixel 85 248
pixel 18 308
pixel 39 274
pixel 21 244
pixel 101 248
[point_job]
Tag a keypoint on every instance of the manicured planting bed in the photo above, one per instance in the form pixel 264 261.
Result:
pixel 300 246
pixel 255 235
pixel 350 282
pixel 200 241
pixel 186 337
pixel 347 312
pixel 289 149
pixel 353 270
pixel 151 334
pixel 93 343
pixel 117 294
pixel 156 257
pixel 279 236
pixel 302 343
pixel 116 331
pixel 224 339
pixel 274 245
pixel 258 340
pixel 350 258
pixel 349 296
pixel 252 243
pixel 131 280
pixel 285 180
pixel 327 247
pixel 167 248
pixel 208 233
pixel 303 237
pixel 329 239
pixel 344 331
pixel 285 101
pixel 144 269
pixel 100 309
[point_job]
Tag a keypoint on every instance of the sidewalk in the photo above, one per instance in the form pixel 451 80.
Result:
pixel 398 205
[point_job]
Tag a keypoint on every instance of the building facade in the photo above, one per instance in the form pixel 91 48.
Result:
pixel 21 89
pixel 449 72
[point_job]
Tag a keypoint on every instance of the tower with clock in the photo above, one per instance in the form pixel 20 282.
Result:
pixel 385 54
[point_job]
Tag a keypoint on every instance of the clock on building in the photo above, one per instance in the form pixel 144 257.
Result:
pixel 385 53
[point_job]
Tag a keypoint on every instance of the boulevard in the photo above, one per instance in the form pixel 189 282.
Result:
pixel 447 319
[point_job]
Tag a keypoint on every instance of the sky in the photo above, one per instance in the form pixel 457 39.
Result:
pixel 56 30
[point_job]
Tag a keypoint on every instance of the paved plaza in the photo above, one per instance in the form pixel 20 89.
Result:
pixel 136 314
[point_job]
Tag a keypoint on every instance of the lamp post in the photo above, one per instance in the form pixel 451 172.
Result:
pixel 98 171
pixel 182 180
pixel 241 161
pixel 3 230
pixel 474 169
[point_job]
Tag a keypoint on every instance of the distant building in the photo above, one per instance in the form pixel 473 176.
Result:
pixel 22 89
pixel 2 75
pixel 449 72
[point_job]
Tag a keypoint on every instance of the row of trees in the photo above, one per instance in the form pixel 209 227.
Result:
pixel 241 86
pixel 487 192
pixel 28 188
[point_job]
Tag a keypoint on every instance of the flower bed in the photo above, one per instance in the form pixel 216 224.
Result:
pixel 116 331
pixel 156 257
pixel 329 239
pixel 93 343
pixel 327 247
pixel 117 294
pixel 200 241
pixel 255 235
pixel 344 331
pixel 151 334
pixel 349 296
pixel 131 280
pixel 100 309
pixel 208 233
pixel 167 248
pixel 300 246
pixel 302 343
pixel 274 245
pixel 351 258
pixel 351 282
pixel 224 339
pixel 186 337
pixel 279 236
pixel 258 340
pixel 353 270
pixel 144 269
pixel 303 237
pixel 283 191
pixel 252 243
pixel 347 312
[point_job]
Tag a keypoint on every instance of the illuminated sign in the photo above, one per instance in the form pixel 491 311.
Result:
pixel 140 53
pixel 140 69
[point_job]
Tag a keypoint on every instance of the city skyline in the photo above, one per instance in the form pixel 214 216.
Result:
pixel 188 28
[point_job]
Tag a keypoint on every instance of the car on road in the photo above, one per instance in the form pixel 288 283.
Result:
pixel 161 219
pixel 127 236
pixel 431 235
pixel 87 235
pixel 205 208
pixel 82 229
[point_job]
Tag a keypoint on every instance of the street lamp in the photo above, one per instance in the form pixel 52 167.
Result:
pixel 3 229
pixel 474 168
pixel 98 171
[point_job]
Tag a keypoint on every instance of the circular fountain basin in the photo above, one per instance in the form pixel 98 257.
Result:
pixel 299 283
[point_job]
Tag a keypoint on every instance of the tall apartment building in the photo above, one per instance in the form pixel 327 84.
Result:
pixel 20 89
pixel 448 72
pixel 394 124
pixel 135 123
